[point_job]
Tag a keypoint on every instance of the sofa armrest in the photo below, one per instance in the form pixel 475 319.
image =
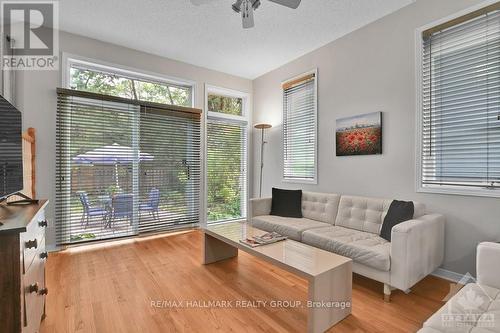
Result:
pixel 417 249
pixel 260 206
pixel 488 264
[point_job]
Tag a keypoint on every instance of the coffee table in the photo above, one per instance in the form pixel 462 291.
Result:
pixel 329 274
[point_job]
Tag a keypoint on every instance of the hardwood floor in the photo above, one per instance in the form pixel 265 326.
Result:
pixel 109 288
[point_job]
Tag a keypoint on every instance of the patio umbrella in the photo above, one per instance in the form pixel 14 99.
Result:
pixel 111 155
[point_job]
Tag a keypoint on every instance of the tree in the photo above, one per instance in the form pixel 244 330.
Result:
pixel 111 84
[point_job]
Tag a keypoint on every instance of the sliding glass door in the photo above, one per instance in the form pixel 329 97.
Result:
pixel 96 146
pixel 124 168
pixel 169 184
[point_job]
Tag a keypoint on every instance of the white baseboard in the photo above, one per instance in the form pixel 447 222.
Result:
pixel 52 248
pixel 447 275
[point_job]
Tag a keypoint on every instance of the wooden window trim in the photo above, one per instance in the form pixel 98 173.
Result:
pixel 456 21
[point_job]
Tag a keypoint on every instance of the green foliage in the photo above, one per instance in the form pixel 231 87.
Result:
pixel 224 104
pixel 81 237
pixel 113 189
pixel 225 151
pixel 111 84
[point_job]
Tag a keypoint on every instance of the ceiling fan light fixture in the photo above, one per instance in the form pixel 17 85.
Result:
pixel 237 5
pixel 247 14
pixel 246 8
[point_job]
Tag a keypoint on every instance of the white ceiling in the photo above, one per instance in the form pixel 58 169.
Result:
pixel 211 36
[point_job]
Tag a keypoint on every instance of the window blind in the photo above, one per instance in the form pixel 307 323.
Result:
pixel 299 129
pixel 226 170
pixel 461 103
pixel 173 139
pixel 123 167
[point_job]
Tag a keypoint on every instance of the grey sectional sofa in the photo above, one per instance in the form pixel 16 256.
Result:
pixel 350 226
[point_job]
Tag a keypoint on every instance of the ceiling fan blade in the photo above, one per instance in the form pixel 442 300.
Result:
pixel 237 6
pixel 247 14
pixel 287 3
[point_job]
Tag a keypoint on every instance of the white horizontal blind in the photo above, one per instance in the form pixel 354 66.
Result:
pixel 461 105
pixel 175 171
pixel 299 130
pixel 137 165
pixel 226 169
pixel 88 127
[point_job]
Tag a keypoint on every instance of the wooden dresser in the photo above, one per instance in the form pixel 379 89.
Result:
pixel 22 267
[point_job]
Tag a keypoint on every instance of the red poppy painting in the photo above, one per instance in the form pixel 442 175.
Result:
pixel 359 135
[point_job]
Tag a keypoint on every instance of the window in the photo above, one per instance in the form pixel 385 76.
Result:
pixel 460 105
pixel 101 79
pixel 225 104
pixel 300 129
pixel 226 155
pixel 124 166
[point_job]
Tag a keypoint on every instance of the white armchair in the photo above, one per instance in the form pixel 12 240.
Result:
pixel 488 264
pixel 476 307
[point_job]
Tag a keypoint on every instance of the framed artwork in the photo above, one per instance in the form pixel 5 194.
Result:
pixel 359 135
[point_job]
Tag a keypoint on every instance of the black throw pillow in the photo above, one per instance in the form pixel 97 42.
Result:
pixel 287 203
pixel 398 212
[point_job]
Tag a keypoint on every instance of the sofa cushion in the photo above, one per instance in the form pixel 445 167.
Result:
pixel 399 211
pixel 320 206
pixel 361 213
pixel 287 226
pixel 286 203
pixel 363 247
pixel 475 308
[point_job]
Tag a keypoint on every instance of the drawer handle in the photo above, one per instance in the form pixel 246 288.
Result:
pixel 31 244
pixel 43 291
pixel 42 223
pixel 44 255
pixel 33 288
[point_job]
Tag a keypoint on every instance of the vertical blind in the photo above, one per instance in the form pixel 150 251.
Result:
pixel 299 129
pixel 123 167
pixel 226 170
pixel 461 103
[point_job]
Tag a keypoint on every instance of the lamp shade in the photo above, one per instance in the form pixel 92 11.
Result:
pixel 262 126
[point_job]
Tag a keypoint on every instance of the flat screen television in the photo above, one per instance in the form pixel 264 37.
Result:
pixel 11 149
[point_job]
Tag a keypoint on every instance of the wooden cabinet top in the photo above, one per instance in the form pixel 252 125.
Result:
pixel 15 218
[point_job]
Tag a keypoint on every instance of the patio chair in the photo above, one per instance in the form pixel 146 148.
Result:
pixel 152 206
pixel 90 211
pixel 122 207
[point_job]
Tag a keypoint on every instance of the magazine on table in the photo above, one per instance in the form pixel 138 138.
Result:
pixel 267 238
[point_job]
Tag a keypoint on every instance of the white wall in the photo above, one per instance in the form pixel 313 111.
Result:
pixel 36 97
pixel 373 69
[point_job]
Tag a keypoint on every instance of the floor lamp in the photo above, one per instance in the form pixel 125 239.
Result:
pixel 262 128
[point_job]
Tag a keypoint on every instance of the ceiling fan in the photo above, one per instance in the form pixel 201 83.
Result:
pixel 247 7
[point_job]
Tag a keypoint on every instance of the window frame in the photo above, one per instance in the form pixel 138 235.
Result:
pixel 313 181
pixel 245 118
pixel 133 73
pixel 419 186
